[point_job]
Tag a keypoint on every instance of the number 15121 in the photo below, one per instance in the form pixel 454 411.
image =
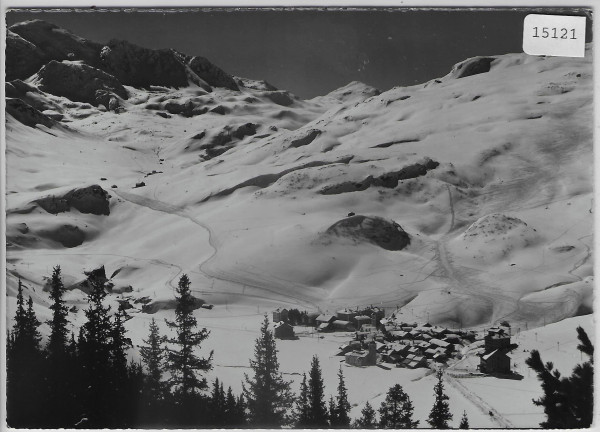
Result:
pixel 554 33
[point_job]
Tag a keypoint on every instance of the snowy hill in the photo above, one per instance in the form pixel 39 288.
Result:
pixel 487 169
pixel 462 201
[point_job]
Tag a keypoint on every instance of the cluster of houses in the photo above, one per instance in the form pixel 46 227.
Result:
pixel 367 319
pixel 364 320
pixel 407 345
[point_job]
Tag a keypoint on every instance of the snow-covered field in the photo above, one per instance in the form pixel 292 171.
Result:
pixel 500 230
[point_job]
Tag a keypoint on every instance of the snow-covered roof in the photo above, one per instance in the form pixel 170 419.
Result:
pixel 439 342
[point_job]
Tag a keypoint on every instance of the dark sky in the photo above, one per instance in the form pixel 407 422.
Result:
pixel 311 52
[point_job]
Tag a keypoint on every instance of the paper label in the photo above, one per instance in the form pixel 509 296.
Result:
pixel 554 35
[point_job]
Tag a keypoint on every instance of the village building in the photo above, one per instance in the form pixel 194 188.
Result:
pixel 342 325
pixel 280 315
pixel 430 353
pixel 366 357
pixel 350 346
pixel 495 358
pixel 346 315
pixel 496 338
pixel 283 330
pixel 360 320
pixel 323 322
pixel 311 319
pixel 496 361
pixel 439 357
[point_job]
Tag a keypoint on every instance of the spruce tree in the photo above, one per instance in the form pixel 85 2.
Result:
pixel 57 344
pixel 230 412
pixel 19 321
pixel 25 365
pixel 31 335
pixel 568 401
pixel 217 405
pixel 301 420
pixel 94 349
pixel 119 371
pixel 268 396
pixel 60 384
pixel 368 418
pixel 331 412
pixel 317 410
pixel 182 361
pixel 440 412
pixel 342 419
pixel 464 421
pixel 241 416
pixel 154 393
pixel 396 410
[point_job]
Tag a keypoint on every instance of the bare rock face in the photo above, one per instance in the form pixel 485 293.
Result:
pixel 92 199
pixel 30 95
pixel 67 235
pixel 212 74
pixel 373 229
pixel 473 66
pixel 79 82
pixel 143 67
pixel 27 114
pixel 57 43
pixel 23 58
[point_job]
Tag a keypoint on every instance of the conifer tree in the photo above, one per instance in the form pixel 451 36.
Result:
pixel 241 417
pixel 396 410
pixel 268 396
pixel 230 411
pixel 24 368
pixel 317 410
pixel 568 401
pixel 120 373
pixel 342 419
pixel 440 412
pixel 31 334
pixel 60 384
pixel 217 405
pixel 94 347
pixel 368 418
pixel 182 361
pixel 57 344
pixel 464 421
pixel 19 323
pixel 331 412
pixel 301 420
pixel 154 389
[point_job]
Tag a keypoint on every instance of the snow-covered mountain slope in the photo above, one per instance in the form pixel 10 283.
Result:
pixel 488 170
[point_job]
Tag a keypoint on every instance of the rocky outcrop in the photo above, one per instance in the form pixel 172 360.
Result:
pixel 92 199
pixel 373 229
pixel 80 82
pixel 27 114
pixel 255 84
pixel 223 141
pixel 57 43
pixel 67 235
pixel 23 58
pixel 212 74
pixel 305 139
pixel 473 66
pixel 280 97
pixel 143 67
pixel 387 180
